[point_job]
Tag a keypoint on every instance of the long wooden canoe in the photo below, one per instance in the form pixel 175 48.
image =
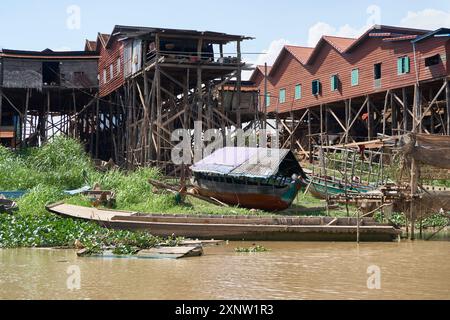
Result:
pixel 249 228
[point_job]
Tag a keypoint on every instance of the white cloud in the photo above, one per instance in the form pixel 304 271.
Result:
pixel 269 55
pixel 321 28
pixel 427 19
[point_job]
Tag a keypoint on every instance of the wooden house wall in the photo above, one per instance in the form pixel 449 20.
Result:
pixel 79 74
pixel 108 57
pixel 329 61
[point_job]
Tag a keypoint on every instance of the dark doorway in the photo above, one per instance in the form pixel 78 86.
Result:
pixel 50 74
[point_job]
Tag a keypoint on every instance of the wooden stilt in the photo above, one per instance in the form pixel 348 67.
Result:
pixel 405 110
pixel 447 103
pixel 1 107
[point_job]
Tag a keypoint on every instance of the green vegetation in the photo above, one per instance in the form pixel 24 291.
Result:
pixel 255 249
pixel 63 165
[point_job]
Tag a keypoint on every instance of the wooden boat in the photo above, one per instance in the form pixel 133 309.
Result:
pixel 323 187
pixel 249 228
pixel 253 178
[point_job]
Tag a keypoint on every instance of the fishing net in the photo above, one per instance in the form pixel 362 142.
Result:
pixel 430 150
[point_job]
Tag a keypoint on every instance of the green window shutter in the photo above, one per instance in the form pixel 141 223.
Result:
pixel 400 66
pixel 355 77
pixel 298 92
pixel 316 87
pixel 407 65
pixel 282 95
pixel 334 83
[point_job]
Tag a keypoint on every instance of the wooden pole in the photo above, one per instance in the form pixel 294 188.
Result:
pixel 414 167
pixel 447 94
pixel 311 160
pixel 265 96
pixel 97 133
pixel 369 120
pixel 25 116
pixel 394 117
pixel 239 80
pixel 1 107
pixel 158 99
pixel 405 111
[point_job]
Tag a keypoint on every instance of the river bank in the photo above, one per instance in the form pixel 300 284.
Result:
pixel 409 270
pixel 63 165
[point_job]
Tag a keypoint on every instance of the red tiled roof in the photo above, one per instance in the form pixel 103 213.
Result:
pixel 90 46
pixel 104 38
pixel 402 38
pixel 339 43
pixel 300 53
pixel 381 29
pixel 260 69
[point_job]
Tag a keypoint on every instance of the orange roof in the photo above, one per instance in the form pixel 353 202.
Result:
pixel 300 53
pixel 263 69
pixel 339 43
pixel 104 38
pixel 260 69
pixel 90 45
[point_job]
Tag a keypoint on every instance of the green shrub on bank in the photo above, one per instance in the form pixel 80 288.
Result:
pixel 47 230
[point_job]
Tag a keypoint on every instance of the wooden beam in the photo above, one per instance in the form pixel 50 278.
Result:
pixel 436 97
pixel 359 113
pixel 337 119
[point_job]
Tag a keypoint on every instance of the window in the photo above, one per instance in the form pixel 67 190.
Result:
pixel 282 95
pixel 111 71
pixel 105 76
pixel 268 100
pixel 51 73
pixel 298 92
pixel 118 65
pixel 377 71
pixel 334 82
pixel 403 65
pixel 432 61
pixel 355 77
pixel 316 87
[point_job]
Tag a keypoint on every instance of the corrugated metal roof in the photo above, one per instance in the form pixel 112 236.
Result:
pixel 264 164
pixel 441 31
pixel 238 162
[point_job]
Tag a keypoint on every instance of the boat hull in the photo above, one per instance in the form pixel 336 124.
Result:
pixel 238 228
pixel 266 198
pixel 321 190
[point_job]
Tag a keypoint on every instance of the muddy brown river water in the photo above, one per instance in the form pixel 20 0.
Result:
pixel 419 270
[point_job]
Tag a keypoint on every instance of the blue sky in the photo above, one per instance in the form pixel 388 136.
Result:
pixel 37 24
